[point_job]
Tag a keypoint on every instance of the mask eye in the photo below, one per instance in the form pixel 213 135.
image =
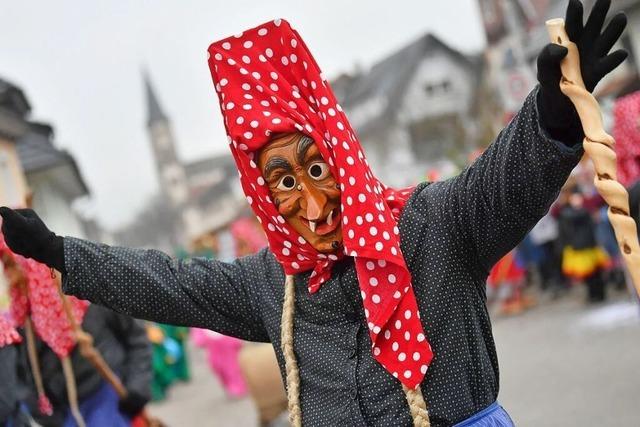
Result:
pixel 286 183
pixel 318 171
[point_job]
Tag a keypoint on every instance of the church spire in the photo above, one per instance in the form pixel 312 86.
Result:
pixel 154 111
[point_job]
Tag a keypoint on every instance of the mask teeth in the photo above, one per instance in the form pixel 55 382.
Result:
pixel 330 218
pixel 312 226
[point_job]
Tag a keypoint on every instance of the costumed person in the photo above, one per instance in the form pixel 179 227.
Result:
pixel 170 358
pixel 123 343
pixel 57 365
pixel 374 298
pixel 626 131
pixel 545 236
pixel 222 355
pixel 582 258
pixel 505 284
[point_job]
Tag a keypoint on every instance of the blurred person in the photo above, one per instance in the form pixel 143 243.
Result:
pixel 582 258
pixel 506 283
pixel 12 412
pixel 545 236
pixel 605 237
pixel 170 360
pixel 222 355
pixel 376 280
pixel 122 341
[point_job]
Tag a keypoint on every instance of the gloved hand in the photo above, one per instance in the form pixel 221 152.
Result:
pixel 132 404
pixel 558 115
pixel 27 235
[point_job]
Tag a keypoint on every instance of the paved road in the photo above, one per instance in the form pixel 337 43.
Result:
pixel 562 364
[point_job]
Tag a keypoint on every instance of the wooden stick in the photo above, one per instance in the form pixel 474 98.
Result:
pixel 599 146
pixel 33 357
pixel 85 343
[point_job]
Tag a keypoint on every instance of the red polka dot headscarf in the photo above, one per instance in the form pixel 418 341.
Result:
pixel 268 83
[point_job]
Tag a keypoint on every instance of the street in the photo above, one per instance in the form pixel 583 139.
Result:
pixel 562 363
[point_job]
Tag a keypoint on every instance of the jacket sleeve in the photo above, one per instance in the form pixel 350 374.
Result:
pixel 492 204
pixel 148 284
pixel 138 373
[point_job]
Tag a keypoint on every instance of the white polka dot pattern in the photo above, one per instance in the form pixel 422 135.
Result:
pixel 286 93
pixel 451 233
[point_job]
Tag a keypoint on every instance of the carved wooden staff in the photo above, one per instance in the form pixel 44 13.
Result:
pixel 600 148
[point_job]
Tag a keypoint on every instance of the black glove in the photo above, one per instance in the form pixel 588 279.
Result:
pixel 26 235
pixel 132 404
pixel 558 115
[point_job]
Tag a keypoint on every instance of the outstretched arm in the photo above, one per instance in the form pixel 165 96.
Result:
pixel 146 284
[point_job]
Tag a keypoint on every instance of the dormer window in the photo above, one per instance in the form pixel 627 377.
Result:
pixel 437 89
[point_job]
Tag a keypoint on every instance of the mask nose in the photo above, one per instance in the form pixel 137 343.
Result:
pixel 313 202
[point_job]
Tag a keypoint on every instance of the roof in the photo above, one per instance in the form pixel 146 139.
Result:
pixel 211 178
pixel 154 111
pixel 207 164
pixel 389 78
pixel 14 108
pixel 13 100
pixel 37 154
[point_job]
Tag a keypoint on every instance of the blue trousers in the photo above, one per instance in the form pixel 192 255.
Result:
pixel 100 409
pixel 492 416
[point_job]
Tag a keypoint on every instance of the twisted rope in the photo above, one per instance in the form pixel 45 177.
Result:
pixel 291 364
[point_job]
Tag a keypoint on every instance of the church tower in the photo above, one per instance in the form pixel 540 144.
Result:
pixel 171 174
pixel 172 178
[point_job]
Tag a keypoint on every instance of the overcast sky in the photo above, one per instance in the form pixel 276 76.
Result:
pixel 79 63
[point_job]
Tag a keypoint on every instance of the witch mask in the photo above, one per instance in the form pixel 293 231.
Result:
pixel 303 189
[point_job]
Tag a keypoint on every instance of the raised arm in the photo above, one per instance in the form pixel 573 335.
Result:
pixel 499 198
pixel 493 203
pixel 144 283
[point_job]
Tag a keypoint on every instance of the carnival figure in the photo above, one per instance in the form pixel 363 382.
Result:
pixel 373 297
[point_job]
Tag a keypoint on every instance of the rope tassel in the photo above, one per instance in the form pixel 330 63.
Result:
pixel 291 364
pixel 417 406
pixel 599 146
pixel 72 391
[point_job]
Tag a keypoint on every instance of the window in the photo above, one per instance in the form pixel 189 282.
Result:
pixel 438 89
pixel 11 194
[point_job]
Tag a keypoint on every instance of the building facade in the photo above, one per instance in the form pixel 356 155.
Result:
pixel 415 110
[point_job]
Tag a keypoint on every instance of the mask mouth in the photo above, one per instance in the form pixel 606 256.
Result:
pixel 324 226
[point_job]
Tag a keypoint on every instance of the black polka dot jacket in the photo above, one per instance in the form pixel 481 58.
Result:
pixel 452 232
